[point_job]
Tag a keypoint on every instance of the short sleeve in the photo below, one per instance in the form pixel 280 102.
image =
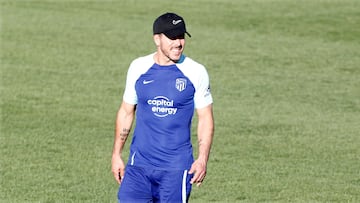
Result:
pixel 130 92
pixel 203 96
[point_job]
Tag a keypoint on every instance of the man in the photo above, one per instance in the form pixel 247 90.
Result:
pixel 163 89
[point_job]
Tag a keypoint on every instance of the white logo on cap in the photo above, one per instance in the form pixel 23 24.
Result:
pixel 175 22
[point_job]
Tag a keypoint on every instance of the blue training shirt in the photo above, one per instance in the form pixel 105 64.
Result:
pixel 165 98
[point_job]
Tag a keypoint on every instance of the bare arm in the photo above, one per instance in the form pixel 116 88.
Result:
pixel 124 120
pixel 205 136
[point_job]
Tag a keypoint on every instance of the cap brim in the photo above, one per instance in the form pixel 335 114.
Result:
pixel 176 33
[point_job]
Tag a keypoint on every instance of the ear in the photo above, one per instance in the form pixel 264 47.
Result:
pixel 157 39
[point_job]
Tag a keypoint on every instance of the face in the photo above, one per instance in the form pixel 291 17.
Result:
pixel 169 50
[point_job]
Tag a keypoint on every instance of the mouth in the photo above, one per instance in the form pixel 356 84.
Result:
pixel 177 50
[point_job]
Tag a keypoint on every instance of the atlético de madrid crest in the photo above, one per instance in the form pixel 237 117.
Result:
pixel 180 84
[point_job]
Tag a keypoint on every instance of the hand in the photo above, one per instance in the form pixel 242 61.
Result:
pixel 198 168
pixel 118 168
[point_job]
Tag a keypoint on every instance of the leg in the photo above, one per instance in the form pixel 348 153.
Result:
pixel 173 186
pixel 135 187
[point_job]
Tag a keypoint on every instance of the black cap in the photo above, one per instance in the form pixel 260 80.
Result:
pixel 171 25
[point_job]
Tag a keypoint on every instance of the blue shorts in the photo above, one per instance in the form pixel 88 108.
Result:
pixel 149 185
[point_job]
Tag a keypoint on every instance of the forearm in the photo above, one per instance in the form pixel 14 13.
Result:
pixel 120 138
pixel 124 119
pixel 205 136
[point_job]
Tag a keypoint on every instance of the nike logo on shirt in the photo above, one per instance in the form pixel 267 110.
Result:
pixel 145 82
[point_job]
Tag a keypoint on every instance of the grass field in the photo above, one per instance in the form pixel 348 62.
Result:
pixel 285 78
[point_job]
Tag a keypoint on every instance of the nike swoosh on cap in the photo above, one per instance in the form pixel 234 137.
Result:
pixel 175 22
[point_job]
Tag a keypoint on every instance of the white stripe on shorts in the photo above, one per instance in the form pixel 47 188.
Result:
pixel 132 159
pixel 183 189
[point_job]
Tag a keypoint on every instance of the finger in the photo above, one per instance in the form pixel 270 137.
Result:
pixel 122 172
pixel 195 178
pixel 199 177
pixel 117 177
pixel 192 170
pixel 120 177
pixel 201 180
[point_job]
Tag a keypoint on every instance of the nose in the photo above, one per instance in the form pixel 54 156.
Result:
pixel 177 42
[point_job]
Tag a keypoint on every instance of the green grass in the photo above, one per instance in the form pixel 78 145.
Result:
pixel 285 78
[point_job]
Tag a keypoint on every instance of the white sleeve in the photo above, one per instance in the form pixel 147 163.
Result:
pixel 137 67
pixel 130 95
pixel 203 95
